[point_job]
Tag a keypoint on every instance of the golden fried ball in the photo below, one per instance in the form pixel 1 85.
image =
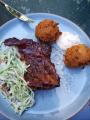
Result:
pixel 47 31
pixel 76 56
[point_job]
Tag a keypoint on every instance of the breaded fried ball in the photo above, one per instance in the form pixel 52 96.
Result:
pixel 47 31
pixel 76 56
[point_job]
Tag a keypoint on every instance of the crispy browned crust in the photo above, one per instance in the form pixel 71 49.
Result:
pixel 47 31
pixel 76 56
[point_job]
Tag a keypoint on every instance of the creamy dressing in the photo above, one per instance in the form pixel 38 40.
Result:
pixel 67 40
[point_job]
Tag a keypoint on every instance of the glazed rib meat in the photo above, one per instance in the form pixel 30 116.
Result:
pixel 41 74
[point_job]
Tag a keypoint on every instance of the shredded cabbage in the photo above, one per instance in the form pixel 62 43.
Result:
pixel 12 83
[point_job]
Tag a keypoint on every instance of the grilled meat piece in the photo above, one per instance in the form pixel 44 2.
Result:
pixel 41 74
pixel 29 46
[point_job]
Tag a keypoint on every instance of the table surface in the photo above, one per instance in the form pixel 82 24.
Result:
pixel 77 11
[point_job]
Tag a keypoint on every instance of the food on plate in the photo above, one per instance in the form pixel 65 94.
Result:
pixel 47 31
pixel 67 40
pixel 41 73
pixel 76 56
pixel 12 83
pixel 25 65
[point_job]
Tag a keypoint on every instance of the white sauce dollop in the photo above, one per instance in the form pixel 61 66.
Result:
pixel 67 40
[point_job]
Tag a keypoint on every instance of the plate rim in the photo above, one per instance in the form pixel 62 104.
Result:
pixel 49 14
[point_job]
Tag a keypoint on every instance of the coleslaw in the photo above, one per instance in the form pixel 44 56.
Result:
pixel 12 83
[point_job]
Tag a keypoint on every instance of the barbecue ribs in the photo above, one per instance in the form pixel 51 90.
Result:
pixel 41 74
